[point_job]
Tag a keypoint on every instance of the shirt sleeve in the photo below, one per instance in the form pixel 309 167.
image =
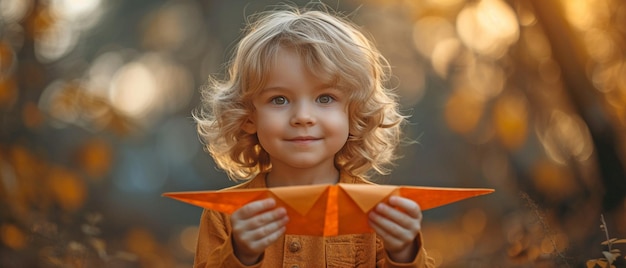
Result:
pixel 421 259
pixel 215 248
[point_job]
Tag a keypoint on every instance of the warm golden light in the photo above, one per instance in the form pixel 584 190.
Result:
pixel 59 102
pixel 428 32
pixel 525 14
pixel 555 181
pixel 444 55
pixel 583 14
pixel 134 90
pixel 510 118
pixel 463 111
pixel 485 79
pixel 565 136
pixel 549 71
pixel 75 10
pixel 55 42
pixel 600 45
pixel 189 238
pixel 488 27
pixel 609 77
pixel 7 57
pixel 474 221
pixel 172 26
pixel 101 73
pixel 536 44
pixel 68 189
pixel 444 4
pixel 95 158
pixel 12 236
pixel 14 10
pixel 8 91
pixel 145 88
pixel 32 116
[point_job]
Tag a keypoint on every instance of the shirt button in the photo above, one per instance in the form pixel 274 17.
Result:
pixel 295 246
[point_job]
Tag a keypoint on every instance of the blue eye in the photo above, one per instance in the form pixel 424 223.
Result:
pixel 325 99
pixel 279 100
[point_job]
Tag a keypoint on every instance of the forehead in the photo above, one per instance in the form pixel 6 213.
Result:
pixel 299 63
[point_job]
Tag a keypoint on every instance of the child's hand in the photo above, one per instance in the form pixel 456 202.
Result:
pixel 255 227
pixel 398 223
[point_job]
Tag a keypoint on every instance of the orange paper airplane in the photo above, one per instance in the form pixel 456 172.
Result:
pixel 326 210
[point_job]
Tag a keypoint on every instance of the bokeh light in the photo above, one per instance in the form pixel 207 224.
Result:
pixel 488 27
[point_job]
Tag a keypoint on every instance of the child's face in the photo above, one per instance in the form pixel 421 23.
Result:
pixel 300 121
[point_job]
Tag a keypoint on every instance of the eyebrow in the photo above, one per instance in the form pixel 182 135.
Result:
pixel 319 88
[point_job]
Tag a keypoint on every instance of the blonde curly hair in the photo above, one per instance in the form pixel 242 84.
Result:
pixel 338 53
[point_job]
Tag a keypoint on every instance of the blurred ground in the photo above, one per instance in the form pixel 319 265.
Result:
pixel 527 97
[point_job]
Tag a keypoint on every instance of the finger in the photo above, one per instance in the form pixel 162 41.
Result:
pixel 255 239
pixel 388 227
pixel 409 206
pixel 269 227
pixel 376 224
pixel 393 214
pixel 390 241
pixel 249 227
pixel 253 208
pixel 399 217
pixel 269 217
pixel 266 241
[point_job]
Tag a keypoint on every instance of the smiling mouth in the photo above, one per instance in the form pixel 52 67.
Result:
pixel 303 139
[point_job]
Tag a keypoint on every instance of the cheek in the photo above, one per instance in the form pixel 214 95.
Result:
pixel 268 122
pixel 340 124
pixel 267 127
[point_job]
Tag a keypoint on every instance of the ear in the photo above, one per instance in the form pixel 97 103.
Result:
pixel 249 126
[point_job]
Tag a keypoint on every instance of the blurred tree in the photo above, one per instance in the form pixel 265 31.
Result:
pixel 588 102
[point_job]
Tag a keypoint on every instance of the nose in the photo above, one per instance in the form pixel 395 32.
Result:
pixel 303 115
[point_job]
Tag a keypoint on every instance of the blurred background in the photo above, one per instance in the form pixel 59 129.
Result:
pixel 524 96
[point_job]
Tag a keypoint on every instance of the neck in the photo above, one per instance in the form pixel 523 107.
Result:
pixel 292 177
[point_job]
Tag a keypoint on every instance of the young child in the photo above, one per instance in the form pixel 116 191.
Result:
pixel 304 103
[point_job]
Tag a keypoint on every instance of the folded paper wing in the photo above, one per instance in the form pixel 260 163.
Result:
pixel 326 210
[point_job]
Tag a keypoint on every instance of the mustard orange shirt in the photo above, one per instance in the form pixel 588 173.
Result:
pixel 215 247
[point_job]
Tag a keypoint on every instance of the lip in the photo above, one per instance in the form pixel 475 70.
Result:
pixel 303 139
